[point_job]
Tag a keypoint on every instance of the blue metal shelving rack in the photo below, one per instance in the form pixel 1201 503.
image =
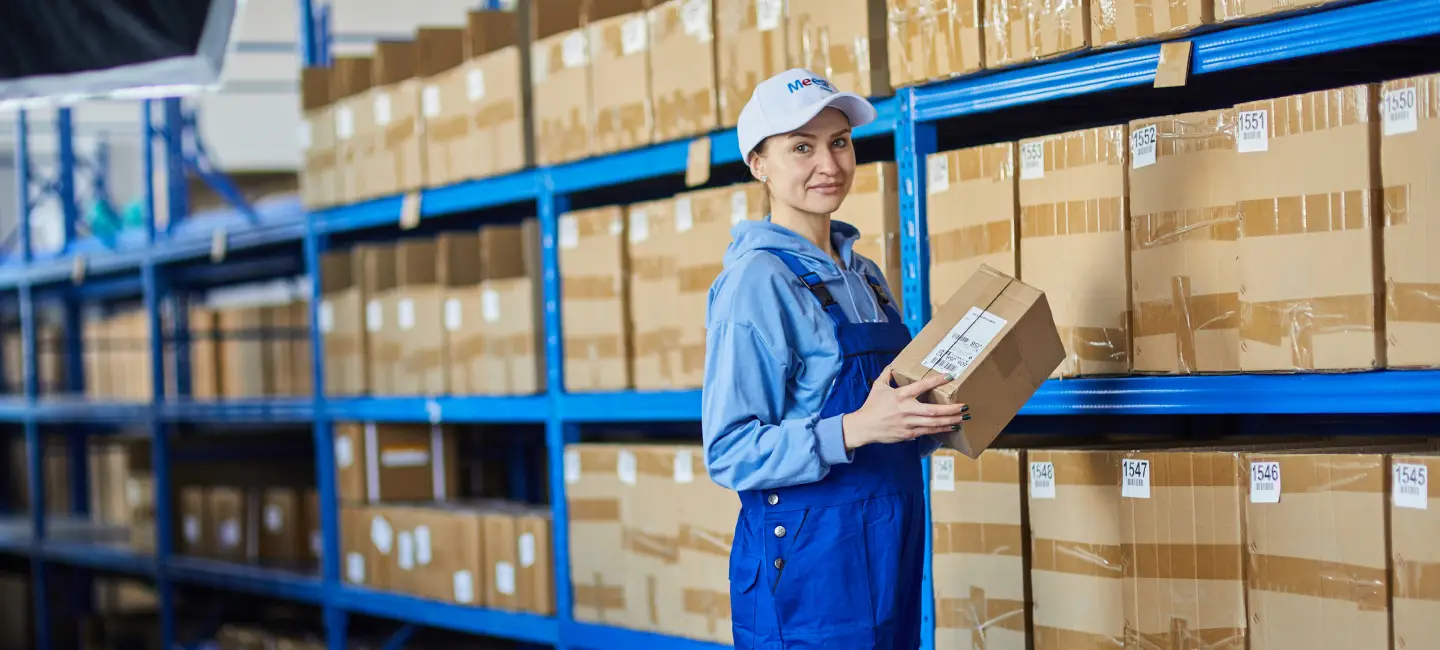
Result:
pixel 145 266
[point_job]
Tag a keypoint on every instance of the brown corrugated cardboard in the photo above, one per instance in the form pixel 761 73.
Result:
pixel 1019 31
pixel 1318 557
pixel 204 355
pixel 535 570
pixel 498 350
pixel 1414 555
pixel 707 529
pixel 997 337
pixel 283 537
pixel 843 41
pixel 1241 9
pixel 1410 168
pixel 593 494
pixel 244 365
pixel 472 366
pixel 341 321
pixel 873 207
pixel 1309 192
pixel 931 40
pixel 351 80
pixel 397 163
pixel 195 524
pixel 1073 243
pixel 593 273
pixel 418 331
pixel 476 110
pixel 408 566
pixel 620 76
pixel 457 555
pixel 1125 21
pixel 1076 573
pixel 650 520
pixel 1184 228
pixel 375 540
pixel 310 518
pixel 973 213
pixel 654 250
pixel 750 49
pixel 682 69
pixel 234 516
pixel 980 538
pixel 319 183
pixel 715 211
pixel 502 560
pixel 394 462
pixel 355 562
pixel 377 271
pixel 1183 549
pixel 560 81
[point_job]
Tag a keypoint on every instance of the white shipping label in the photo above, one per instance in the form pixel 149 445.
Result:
pixel 569 232
pixel 633 36
pixel 344 452
pixel 405 314
pixel 1042 480
pixel 464 587
pixel 684 467
pixel 408 457
pixel 625 466
pixel 695 19
pixel 405 550
pixel 475 85
pixel 938 178
pixel 572 467
pixel 490 305
pixel 767 14
pixel 382 535
pixel 572 50
pixel 305 137
pixel 355 568
pixel 382 109
pixel 133 493
pixel 230 534
pixel 1265 482
pixel 739 207
pixel 942 473
pixel 344 123
pixel 1252 132
pixel 1411 485
pixel 454 318
pixel 527 550
pixel 317 543
pixel 374 316
pixel 430 101
pixel 684 215
pixel 423 553
pixel 191 526
pixel 1135 477
pixel 617 226
pixel 1032 160
pixel 505 578
pixel 965 342
pixel 326 317
pixel 1142 146
pixel 1399 112
pixel 639 226
pixel 274 518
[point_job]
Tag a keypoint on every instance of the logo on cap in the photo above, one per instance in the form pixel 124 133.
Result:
pixel 812 81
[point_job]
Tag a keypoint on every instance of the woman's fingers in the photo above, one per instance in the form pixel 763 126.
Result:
pixel 886 376
pixel 923 422
pixel 925 385
pixel 936 410
pixel 930 431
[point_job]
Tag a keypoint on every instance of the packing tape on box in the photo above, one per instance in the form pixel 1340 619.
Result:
pixel 1317 111
pixel 994 163
pixel 1417 580
pixel 623 125
pixel 1160 229
pixel 607 346
pixel 592 287
pixel 1081 217
pixel 1364 586
pixel 826 54
pixel 977 538
pixel 665 548
pixel 1412 302
pixel 1079 558
pixel 711 542
pixel 594 510
pixel 1330 472
pixel 714 605
pixel 1175 561
pixel 1084 148
pixel 933 39
pixel 599 595
pixel 1141 20
pixel 980 613
pixel 1054 638
pixel 652 268
pixel 1183 316
pixel 1327 212
pixel 679 114
pixel 1096 344
pixel 969 242
pixel 1183 635
pixel 655 342
pixel 1296 323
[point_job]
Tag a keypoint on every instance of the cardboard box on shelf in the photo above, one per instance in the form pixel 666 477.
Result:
pixel 715 211
pixel 477 110
pixel 287 351
pixel 750 48
pixel 204 354
pixel 398 162
pixel 1413 552
pixel 373 546
pixel 1073 243
pixel 842 41
pixel 1184 233
pixel 973 213
pixel 707 527
pixel 457 564
pixel 1310 245
pixel 234 516
pixel 283 535
pixel 502 560
pixel 1126 21
pixel 931 40
pixel 341 321
pixel 378 271
pixel 319 183
pixel 980 535
pixel 683 86
pixel 535 568
pixel 619 36
pixel 377 463
pixel 650 519
pixel 654 250
pixel 195 523
pixel 874 208
pixel 473 366
pixel 560 81
pixel 594 266
pixel 425 271
pixel 1410 168
pixel 1226 10
pixel 244 365
pixel 997 337
pixel 1021 31
pixel 593 495
pixel 350 82
pixel 310 518
pixel 356 565
pixel 1076 575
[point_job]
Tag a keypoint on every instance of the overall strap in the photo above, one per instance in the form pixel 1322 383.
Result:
pixel 891 313
pixel 812 281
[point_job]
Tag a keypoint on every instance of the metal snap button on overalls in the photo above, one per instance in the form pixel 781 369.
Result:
pixel 773 499
pixel 779 531
pixel 779 563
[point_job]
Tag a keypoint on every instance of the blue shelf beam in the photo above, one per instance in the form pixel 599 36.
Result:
pixel 444 616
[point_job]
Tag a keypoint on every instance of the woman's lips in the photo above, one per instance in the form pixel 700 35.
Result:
pixel 827 188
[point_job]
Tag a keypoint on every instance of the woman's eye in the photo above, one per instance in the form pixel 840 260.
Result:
pixel 802 148
pixel 840 143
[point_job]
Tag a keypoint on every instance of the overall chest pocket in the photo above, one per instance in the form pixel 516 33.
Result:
pixel 819 562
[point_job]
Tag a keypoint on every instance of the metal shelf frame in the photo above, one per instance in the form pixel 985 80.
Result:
pixel 147 265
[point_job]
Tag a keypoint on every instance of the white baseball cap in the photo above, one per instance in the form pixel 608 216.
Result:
pixel 789 100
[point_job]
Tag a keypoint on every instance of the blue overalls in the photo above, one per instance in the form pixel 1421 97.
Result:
pixel 837 563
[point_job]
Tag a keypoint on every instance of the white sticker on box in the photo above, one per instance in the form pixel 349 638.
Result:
pixel 1252 132
pixel 344 452
pixel 423 553
pixel 965 342
pixel 382 109
pixel 505 578
pixel 1135 478
pixel 475 85
pixel 430 101
pixel 569 232
pixel 938 178
pixel 464 587
pixel 639 226
pixel 633 36
pixel 1265 482
pixel 132 492
pixel 684 466
pixel 344 123
pixel 229 534
pixel 305 137
pixel 405 314
pixel 1143 147
pixel 684 215
pixel 274 518
pixel 572 50
pixel 454 318
pixel 739 206
pixel 767 14
pixel 326 317
pixel 317 543
pixel 490 305
pixel 617 226
pixel 526 546
pixel 407 457
pixel 192 529
pixel 382 535
pixel 1399 112
pixel 942 473
pixel 695 19
pixel 1411 485
pixel 1032 160
pixel 374 316
pixel 355 568
pixel 405 550
pixel 572 467
pixel 1042 480
pixel 625 466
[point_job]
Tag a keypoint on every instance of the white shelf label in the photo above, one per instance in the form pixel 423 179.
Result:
pixel 408 457
pixel 405 550
pixel 317 543
pixel 1143 146
pixel 684 215
pixel 965 342
pixel 1399 112
pixel 569 232
pixel 1032 160
pixel 374 316
pixel 1042 480
pixel 1252 133
pixel 405 314
pixel 572 467
pixel 229 534
pixel 633 36
pixel 453 315
pixel 684 467
pixel 191 526
pixel 1135 477
pixel 355 568
pixel 133 493
pixel 1265 482
pixel 475 85
pixel 767 14
pixel 274 518
pixel 326 317
pixel 1411 485
pixel 739 207
pixel 464 587
pixel 430 101
pixel 490 305
pixel 938 178
pixel 942 473
pixel 423 553
pixel 505 578
pixel 625 466
pixel 527 550
pixel 382 109
pixel 639 226
pixel 344 452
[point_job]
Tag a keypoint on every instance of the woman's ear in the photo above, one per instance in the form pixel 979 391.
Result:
pixel 756 161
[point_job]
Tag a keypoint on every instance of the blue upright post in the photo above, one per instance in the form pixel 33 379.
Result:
pixel 147 162
pixel 558 433
pixel 22 183
pixel 153 286
pixel 34 446
pixel 176 181
pixel 65 186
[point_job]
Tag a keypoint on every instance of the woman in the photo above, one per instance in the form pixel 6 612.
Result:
pixel 800 416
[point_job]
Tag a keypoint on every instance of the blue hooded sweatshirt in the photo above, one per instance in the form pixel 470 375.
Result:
pixel 771 357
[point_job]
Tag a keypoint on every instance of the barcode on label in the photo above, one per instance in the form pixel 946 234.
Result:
pixel 939 180
pixel 942 473
pixel 964 343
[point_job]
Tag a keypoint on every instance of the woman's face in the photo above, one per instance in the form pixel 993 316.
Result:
pixel 809 169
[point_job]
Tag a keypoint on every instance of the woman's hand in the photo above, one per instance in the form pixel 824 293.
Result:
pixel 895 414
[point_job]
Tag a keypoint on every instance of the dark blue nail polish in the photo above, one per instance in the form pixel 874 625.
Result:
pixel 954 427
pixel 965 408
pixel 965 417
